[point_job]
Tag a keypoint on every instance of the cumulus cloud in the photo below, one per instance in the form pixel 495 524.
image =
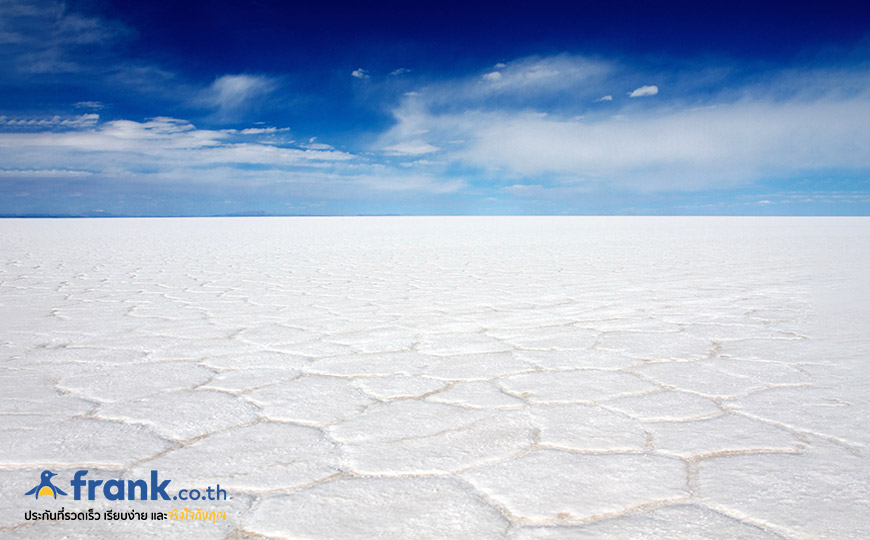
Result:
pixel 724 146
pixel 519 83
pixel 536 131
pixel 359 73
pixel 721 140
pixel 159 144
pixel 643 91
pixel 172 151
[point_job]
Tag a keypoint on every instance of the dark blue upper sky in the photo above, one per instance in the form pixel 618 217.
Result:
pixel 192 108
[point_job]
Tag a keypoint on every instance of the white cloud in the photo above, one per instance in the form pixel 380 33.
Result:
pixel 82 120
pixel 45 173
pixel 536 129
pixel 415 147
pixel 728 145
pixel 359 73
pixel 750 134
pixel 812 197
pixel 414 183
pixel 89 105
pixel 173 151
pixel 643 91
pixel 160 143
pixel 542 75
pixel 420 163
pixel 51 37
pixel 406 137
pixel 523 188
pixel 312 144
pixel 518 83
pixel 230 94
pixel 153 80
pixel 400 71
pixel 76 29
pixel 261 131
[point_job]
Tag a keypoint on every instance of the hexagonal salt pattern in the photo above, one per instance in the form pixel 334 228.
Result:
pixel 565 487
pixel 504 378
pixel 394 508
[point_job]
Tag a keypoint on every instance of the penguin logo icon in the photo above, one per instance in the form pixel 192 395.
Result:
pixel 45 486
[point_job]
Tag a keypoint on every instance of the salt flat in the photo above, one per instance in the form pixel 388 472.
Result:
pixel 514 378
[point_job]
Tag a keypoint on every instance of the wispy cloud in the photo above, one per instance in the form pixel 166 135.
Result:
pixel 412 183
pixel 542 74
pixel 82 120
pixel 411 148
pixel 96 105
pixel 359 73
pixel 232 94
pixel 55 45
pixel 47 37
pixel 262 130
pixel 835 197
pixel 312 144
pixel 44 173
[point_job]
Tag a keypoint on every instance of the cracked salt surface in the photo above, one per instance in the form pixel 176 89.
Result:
pixel 514 378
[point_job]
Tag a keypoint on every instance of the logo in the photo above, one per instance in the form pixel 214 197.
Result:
pixel 45 486
pixel 116 489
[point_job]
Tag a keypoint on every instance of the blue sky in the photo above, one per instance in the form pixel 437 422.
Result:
pixel 215 108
